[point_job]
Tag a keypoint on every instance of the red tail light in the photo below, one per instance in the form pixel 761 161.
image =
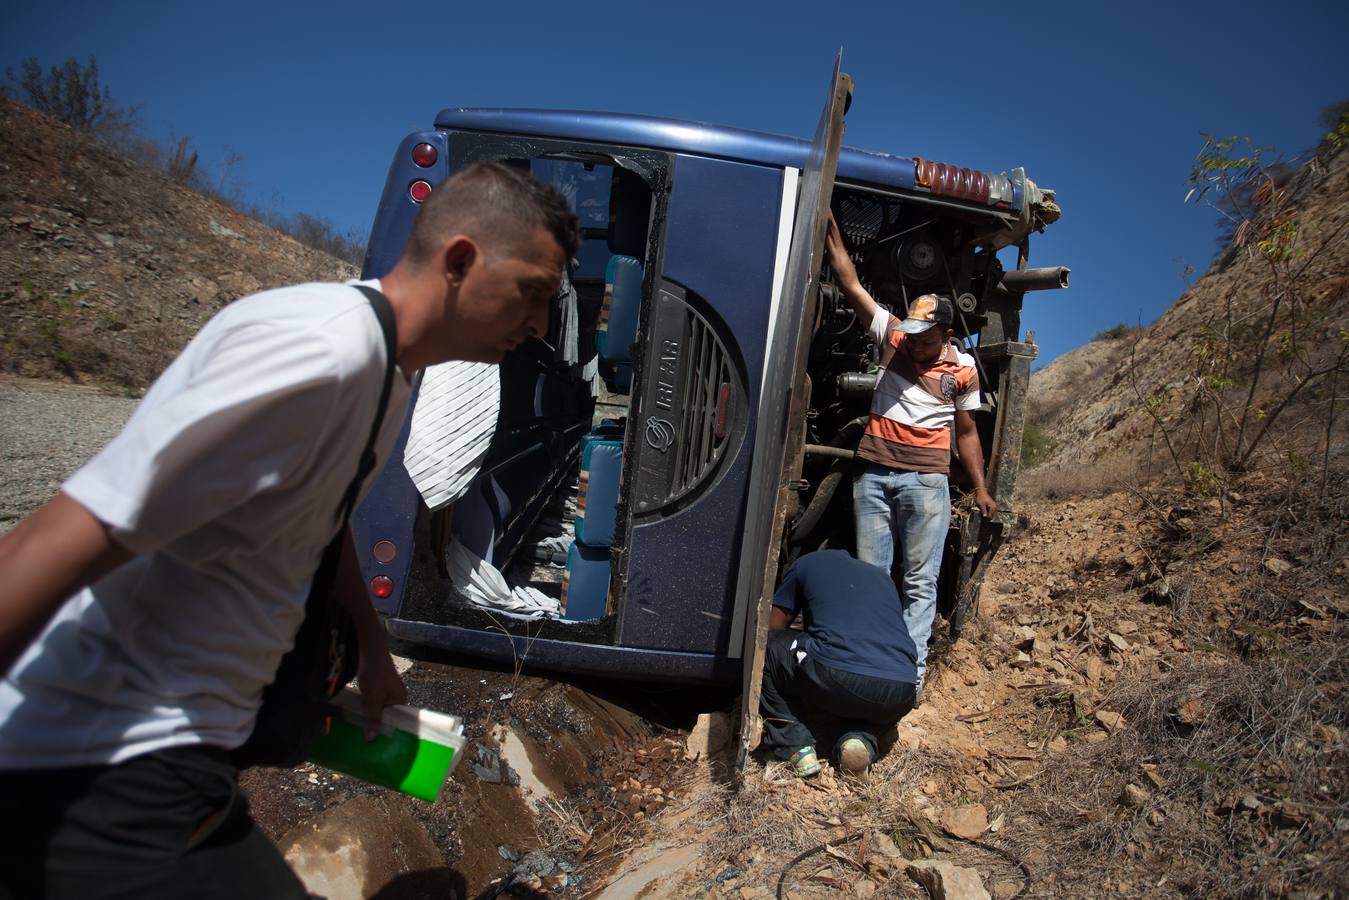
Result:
pixel 723 411
pixel 384 551
pixel 381 586
pixel 424 155
pixel 419 191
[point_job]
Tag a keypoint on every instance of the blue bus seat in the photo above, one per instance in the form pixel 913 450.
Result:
pixel 585 584
pixel 480 517
pixel 597 493
pixel 618 321
pixel 606 429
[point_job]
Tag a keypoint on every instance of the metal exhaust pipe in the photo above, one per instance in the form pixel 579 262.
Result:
pixel 1050 278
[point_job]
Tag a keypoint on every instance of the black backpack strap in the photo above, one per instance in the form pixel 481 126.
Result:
pixel 384 313
pixel 325 651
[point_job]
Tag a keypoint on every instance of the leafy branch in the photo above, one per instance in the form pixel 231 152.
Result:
pixel 1252 366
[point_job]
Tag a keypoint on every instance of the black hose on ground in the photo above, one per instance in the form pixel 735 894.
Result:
pixel 820 848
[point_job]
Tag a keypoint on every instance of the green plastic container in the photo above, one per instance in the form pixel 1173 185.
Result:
pixel 414 753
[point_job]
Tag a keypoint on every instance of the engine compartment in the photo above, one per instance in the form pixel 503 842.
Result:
pixel 902 247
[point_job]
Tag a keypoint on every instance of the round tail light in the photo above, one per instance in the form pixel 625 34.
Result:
pixel 381 586
pixel 424 155
pixel 419 190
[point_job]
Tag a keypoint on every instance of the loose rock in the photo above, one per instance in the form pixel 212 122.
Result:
pixel 1110 721
pixel 1278 566
pixel 1190 712
pixel 884 861
pixel 361 845
pixel 944 881
pixel 710 735
pixel 1133 796
pixel 968 822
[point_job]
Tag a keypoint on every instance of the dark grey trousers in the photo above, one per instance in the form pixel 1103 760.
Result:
pixel 865 704
pixel 166 824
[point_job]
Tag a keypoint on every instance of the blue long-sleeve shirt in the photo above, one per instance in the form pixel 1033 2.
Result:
pixel 852 615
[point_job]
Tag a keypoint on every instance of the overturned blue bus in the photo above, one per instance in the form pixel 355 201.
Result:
pixel 685 427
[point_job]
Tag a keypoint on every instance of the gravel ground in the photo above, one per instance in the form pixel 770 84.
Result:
pixel 50 430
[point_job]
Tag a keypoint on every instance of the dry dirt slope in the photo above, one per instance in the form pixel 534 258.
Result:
pixel 1154 702
pixel 1091 401
pixel 107 268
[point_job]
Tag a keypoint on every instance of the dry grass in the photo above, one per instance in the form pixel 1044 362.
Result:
pixel 1060 479
pixel 560 827
pixel 774 817
pixel 1247 802
pixel 1229 778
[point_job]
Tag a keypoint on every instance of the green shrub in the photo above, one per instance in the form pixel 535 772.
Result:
pixel 1037 445
pixel 1113 333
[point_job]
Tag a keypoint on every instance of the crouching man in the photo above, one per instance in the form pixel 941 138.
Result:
pixel 854 660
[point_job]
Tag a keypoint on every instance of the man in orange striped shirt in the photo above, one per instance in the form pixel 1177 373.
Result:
pixel 902 498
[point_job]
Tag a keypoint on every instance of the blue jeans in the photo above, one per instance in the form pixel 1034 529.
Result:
pixel 912 510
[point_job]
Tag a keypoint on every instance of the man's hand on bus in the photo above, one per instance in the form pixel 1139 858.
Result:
pixel 845 275
pixel 988 507
pixel 972 459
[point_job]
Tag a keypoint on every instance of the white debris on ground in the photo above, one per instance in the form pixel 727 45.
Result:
pixel 483 585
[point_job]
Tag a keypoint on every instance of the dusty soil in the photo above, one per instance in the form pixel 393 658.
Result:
pixel 539 775
pixel 50 429
pixel 107 268
pixel 1100 724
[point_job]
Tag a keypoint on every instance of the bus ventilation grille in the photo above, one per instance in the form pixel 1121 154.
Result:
pixel 709 415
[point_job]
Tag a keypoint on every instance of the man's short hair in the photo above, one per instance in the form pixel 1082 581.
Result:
pixel 497 206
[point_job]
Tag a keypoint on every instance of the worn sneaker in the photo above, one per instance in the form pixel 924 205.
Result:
pixel 804 762
pixel 854 757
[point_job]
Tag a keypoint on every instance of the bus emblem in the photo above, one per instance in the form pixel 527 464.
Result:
pixel 660 434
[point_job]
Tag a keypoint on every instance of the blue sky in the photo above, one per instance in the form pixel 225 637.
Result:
pixel 1104 103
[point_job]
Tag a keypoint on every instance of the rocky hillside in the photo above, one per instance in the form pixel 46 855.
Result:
pixel 1093 403
pixel 107 267
pixel 1153 700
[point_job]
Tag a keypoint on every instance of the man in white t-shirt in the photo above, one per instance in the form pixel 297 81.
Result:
pixel 145 608
pixel 901 500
